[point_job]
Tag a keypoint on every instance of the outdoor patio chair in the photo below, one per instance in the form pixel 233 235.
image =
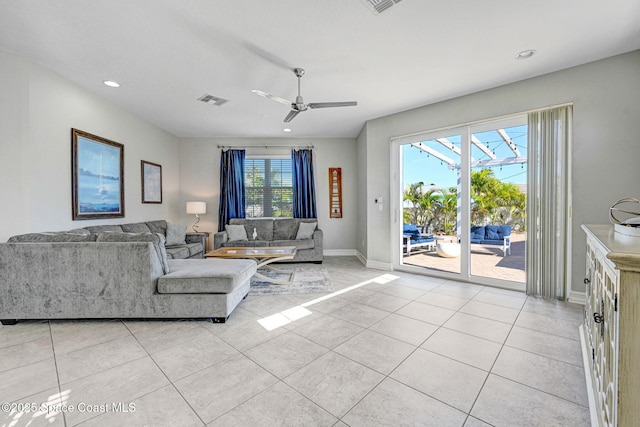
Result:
pixel 412 238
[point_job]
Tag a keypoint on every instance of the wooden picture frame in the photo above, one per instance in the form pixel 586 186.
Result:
pixel 97 177
pixel 335 192
pixel 151 180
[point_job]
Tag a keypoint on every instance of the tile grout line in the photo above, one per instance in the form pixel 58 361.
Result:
pixel 165 375
pixel 55 362
pixel 489 373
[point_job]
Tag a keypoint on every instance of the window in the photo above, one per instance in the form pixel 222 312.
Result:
pixel 268 187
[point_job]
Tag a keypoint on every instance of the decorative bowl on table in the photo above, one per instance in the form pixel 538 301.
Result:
pixel 625 220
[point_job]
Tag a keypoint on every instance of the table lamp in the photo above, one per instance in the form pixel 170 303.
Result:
pixel 196 208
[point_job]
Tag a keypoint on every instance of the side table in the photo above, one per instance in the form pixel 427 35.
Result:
pixel 204 236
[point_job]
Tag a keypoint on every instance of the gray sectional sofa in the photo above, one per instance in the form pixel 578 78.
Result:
pixel 275 232
pixel 193 246
pixel 104 272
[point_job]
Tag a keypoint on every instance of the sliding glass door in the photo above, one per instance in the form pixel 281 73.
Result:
pixel 431 202
pixel 460 198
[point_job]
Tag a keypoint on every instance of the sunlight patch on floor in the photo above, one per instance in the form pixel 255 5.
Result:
pixel 292 314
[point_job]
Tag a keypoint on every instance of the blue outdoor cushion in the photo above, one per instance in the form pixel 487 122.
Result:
pixel 504 230
pixel 492 232
pixel 411 230
pixel 423 239
pixel 477 233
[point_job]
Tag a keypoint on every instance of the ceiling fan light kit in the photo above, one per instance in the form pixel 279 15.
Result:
pixel 299 105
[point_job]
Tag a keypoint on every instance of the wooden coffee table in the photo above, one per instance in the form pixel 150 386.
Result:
pixel 263 256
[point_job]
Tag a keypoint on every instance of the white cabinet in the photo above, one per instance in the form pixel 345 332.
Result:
pixel 611 330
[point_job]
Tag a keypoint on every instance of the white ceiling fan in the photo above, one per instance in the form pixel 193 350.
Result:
pixel 299 105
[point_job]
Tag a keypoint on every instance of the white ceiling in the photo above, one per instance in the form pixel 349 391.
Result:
pixel 167 53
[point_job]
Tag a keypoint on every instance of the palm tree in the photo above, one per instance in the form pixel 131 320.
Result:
pixel 495 201
pixel 449 211
pixel 413 194
pixel 430 206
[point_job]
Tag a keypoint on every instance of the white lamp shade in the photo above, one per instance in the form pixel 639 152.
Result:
pixel 196 208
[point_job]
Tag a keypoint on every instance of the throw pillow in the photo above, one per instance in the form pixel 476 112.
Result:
pixel 236 232
pixel 305 230
pixel 176 234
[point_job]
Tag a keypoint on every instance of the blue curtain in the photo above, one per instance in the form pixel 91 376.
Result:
pixel 304 191
pixel 231 186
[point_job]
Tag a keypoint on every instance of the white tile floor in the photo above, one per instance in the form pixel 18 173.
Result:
pixel 398 350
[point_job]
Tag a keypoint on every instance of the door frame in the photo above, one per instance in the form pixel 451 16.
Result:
pixel 465 131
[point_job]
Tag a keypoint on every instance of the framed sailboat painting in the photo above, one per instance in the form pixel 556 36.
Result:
pixel 97 177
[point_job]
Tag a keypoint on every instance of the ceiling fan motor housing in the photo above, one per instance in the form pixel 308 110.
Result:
pixel 299 104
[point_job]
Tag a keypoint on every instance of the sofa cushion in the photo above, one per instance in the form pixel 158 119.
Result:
pixel 177 252
pixel 156 239
pixel 285 228
pixel 299 243
pixel 422 239
pixel 305 230
pixel 158 226
pixel 411 230
pixel 176 234
pixel 236 232
pixel 264 227
pixel 136 227
pixel 477 233
pixel 491 233
pixel 210 276
pixel 504 230
pixel 52 237
pixel 97 229
pixel 77 231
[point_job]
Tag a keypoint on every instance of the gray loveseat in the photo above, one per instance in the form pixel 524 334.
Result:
pixel 275 232
pixel 110 274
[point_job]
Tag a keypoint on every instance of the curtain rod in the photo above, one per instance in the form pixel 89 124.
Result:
pixel 306 147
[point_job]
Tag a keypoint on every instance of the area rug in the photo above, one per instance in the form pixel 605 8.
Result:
pixel 307 280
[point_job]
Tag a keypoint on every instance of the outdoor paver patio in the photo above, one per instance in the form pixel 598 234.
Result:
pixel 486 260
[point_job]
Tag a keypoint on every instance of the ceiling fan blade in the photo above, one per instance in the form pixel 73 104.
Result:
pixel 275 98
pixel 291 115
pixel 332 104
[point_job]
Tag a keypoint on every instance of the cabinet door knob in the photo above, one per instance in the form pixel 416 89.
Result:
pixel 586 280
pixel 598 318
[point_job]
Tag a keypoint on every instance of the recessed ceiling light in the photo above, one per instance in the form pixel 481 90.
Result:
pixel 286 130
pixel 526 54
pixel 111 83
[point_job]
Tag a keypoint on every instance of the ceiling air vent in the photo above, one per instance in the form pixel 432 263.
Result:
pixel 210 99
pixel 379 6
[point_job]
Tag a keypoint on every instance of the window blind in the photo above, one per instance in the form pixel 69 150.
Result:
pixel 268 188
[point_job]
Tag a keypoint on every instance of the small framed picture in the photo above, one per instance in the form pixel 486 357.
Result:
pixel 151 182
pixel 97 177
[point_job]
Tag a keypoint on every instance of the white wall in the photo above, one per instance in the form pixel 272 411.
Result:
pixel 200 180
pixel 606 146
pixel 38 108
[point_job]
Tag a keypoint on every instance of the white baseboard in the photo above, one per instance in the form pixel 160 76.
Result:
pixel 339 252
pixel 374 264
pixel 379 265
pixel 577 297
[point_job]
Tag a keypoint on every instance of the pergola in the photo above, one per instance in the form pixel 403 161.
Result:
pixel 516 159
pixel 446 148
